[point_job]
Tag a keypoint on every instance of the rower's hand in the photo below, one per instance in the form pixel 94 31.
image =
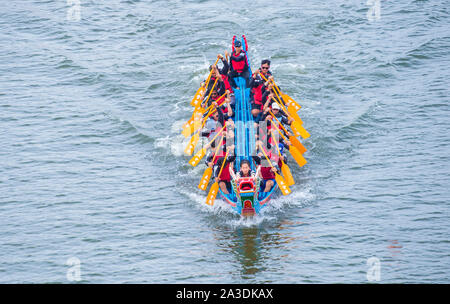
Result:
pixel 210 164
pixel 274 170
pixel 215 104
pixel 219 56
pixel 216 179
pixel 270 77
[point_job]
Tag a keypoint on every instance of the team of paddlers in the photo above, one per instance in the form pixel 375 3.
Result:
pixel 214 119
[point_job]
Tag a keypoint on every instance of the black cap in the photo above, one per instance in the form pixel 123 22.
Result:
pixel 237 43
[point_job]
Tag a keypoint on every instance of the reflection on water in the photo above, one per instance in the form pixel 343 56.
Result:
pixel 254 248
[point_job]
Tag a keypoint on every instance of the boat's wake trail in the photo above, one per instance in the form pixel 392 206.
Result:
pixel 277 206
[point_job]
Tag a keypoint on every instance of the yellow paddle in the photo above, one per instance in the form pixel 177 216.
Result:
pixel 215 187
pixel 212 89
pixel 199 94
pixel 198 97
pixel 188 127
pixel 289 111
pixel 199 155
pixel 284 168
pixel 288 99
pixel 194 139
pixel 208 172
pixel 292 138
pixel 279 179
pixel 296 125
pixel 210 73
pixel 301 161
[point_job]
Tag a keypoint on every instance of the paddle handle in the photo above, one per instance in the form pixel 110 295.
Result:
pixel 276 93
pixel 273 82
pixel 217 149
pixel 210 74
pixel 223 164
pixel 276 144
pixel 217 135
pixel 273 115
pixel 210 106
pixel 210 92
pixel 266 155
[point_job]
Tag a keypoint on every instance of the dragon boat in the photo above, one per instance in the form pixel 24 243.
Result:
pixel 246 196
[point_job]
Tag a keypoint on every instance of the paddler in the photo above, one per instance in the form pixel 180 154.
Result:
pixel 244 171
pixel 279 114
pixel 258 87
pixel 224 179
pixel 215 122
pixel 267 172
pixel 238 65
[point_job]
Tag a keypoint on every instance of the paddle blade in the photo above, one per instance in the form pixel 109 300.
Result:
pixel 301 161
pixel 296 143
pixel 287 174
pixel 205 179
pixel 192 143
pixel 282 184
pixel 291 102
pixel 196 101
pixel 294 115
pixel 298 129
pixel 197 157
pixel 212 194
pixel 188 128
pixel 192 125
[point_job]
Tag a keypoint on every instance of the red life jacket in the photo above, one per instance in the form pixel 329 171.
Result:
pixel 267 173
pixel 257 93
pixel 224 110
pixel 225 175
pixel 227 83
pixel 238 61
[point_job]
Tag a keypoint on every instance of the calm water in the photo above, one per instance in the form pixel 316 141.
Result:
pixel 91 156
